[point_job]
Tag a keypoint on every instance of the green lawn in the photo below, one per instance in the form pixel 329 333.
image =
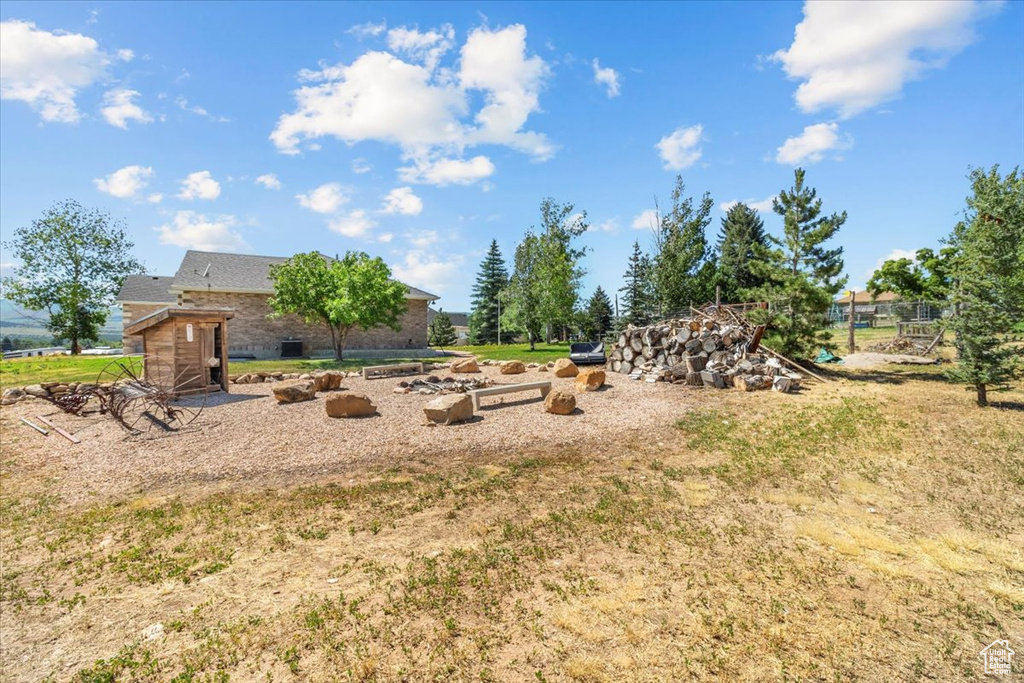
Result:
pixel 542 353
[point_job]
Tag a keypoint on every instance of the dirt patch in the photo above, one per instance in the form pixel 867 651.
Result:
pixel 865 359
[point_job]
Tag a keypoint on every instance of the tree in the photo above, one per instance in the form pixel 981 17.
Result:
pixel 354 291
pixel 492 278
pixel 523 297
pixel 988 283
pixel 925 278
pixel 6 345
pixel 638 292
pixel 441 331
pixel 742 231
pixel 801 277
pixel 559 265
pixel 683 273
pixel 599 313
pixel 73 262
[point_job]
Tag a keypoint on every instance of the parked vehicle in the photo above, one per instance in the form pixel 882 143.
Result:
pixel 587 353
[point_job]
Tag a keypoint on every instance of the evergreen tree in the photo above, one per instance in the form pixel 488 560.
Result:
pixel 801 277
pixel 7 345
pixel 599 313
pixel 683 273
pixel 638 292
pixel 988 284
pixel 492 278
pixel 523 296
pixel 742 231
pixel 441 331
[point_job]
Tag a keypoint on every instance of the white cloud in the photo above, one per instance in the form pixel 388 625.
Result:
pixel 191 230
pixel 428 272
pixel 681 149
pixel 425 110
pixel 402 200
pixel 645 220
pixel 892 256
pixel 184 105
pixel 385 237
pixel 125 183
pixel 423 238
pixel 368 29
pixel 610 225
pixel 353 224
pixel 425 47
pixel 361 166
pixel 155 198
pixel 761 206
pixel 811 145
pixel 851 56
pixel 269 181
pixel 607 77
pixel 199 185
pixel 443 172
pixel 324 199
pixel 119 108
pixel 126 55
pixel 47 70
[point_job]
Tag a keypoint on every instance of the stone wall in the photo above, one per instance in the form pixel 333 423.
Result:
pixel 250 332
pixel 132 312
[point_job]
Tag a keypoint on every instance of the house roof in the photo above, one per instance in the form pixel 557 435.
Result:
pixel 865 297
pixel 195 314
pixel 242 273
pixel 147 289
pixel 458 319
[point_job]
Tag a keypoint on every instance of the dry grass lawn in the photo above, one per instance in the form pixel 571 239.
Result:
pixel 866 530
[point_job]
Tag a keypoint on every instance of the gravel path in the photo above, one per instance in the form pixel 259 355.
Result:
pixel 247 438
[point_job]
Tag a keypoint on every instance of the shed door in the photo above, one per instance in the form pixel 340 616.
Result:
pixel 191 373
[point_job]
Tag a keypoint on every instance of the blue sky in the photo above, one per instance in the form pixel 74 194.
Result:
pixel 420 131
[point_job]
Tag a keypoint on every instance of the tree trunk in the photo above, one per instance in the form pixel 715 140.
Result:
pixel 982 395
pixel 76 348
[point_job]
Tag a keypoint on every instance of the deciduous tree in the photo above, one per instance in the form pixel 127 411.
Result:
pixel 523 296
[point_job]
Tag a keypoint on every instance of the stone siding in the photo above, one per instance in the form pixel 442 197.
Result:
pixel 250 332
pixel 131 313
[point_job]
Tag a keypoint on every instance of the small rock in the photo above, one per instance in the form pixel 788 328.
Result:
pixel 512 367
pixel 332 580
pixel 153 631
pixel 294 391
pixel 449 409
pixel 349 405
pixel 565 368
pixel 401 390
pixel 37 391
pixel 560 402
pixel 12 395
pixel 542 368
pixel 465 365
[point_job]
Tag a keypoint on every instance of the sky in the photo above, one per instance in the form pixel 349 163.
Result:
pixel 419 132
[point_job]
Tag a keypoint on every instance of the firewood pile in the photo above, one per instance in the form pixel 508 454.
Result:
pixel 437 385
pixel 715 351
pixel 904 345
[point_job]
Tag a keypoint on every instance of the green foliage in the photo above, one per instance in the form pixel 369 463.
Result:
pixel 926 277
pixel 988 283
pixel 683 273
pixel 491 280
pixel 355 291
pixel 638 297
pixel 73 262
pixel 599 314
pixel 801 277
pixel 523 298
pixel 442 332
pixel 742 231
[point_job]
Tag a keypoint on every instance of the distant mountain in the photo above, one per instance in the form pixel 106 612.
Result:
pixel 18 322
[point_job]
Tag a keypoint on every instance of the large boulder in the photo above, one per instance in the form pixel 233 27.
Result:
pixel 560 402
pixel 565 368
pixel 329 380
pixel 349 405
pixel 590 379
pixel 12 395
pixel 512 367
pixel 294 391
pixel 449 409
pixel 465 365
pixel 37 391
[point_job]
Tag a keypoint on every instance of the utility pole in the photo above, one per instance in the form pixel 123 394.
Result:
pixel 499 319
pixel 853 309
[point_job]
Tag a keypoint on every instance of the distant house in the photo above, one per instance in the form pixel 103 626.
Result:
pixel 242 283
pixel 887 308
pixel 460 321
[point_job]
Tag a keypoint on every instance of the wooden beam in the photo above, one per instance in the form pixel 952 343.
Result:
pixel 70 437
pixel 795 365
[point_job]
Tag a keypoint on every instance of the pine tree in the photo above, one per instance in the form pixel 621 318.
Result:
pixel 988 284
pixel 599 313
pixel 492 278
pixel 683 273
pixel 742 231
pixel 441 331
pixel 801 277
pixel 638 292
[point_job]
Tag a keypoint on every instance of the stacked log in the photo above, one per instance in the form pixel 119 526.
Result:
pixel 697 352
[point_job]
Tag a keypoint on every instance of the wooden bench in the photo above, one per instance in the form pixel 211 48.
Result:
pixel 385 371
pixel 497 389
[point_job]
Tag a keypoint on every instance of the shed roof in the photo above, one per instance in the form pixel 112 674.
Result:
pixel 191 314
pixel 148 289
pixel 244 273
pixel 865 297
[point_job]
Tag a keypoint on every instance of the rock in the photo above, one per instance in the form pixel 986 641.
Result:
pixel 560 402
pixel 449 409
pixel 85 388
pixel 37 391
pixel 153 631
pixel 433 379
pixel 329 381
pixel 294 391
pixel 542 368
pixel 401 390
pixel 48 385
pixel 531 365
pixel 590 380
pixel 565 368
pixel 13 395
pixel 305 375
pixel 349 405
pixel 465 365
pixel 59 389
pixel 512 367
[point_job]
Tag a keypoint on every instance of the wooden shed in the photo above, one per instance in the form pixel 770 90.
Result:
pixel 186 349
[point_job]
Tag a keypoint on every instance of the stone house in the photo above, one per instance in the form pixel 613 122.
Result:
pixel 242 283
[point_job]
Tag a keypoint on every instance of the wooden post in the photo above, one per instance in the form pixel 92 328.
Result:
pixel 853 312
pixel 718 295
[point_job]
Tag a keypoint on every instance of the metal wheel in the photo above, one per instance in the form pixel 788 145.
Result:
pixel 149 402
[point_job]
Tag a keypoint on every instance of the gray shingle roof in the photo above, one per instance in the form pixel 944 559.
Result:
pixel 458 319
pixel 147 289
pixel 211 270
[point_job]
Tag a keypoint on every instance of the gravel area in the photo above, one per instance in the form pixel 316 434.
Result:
pixel 247 438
